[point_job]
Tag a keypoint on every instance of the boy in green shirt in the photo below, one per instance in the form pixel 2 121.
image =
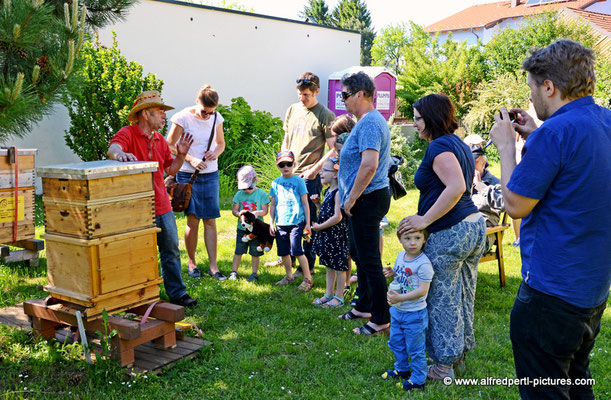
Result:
pixel 248 198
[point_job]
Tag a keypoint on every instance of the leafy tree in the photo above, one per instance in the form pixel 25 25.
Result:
pixel 39 42
pixel 353 14
pixel 508 47
pixel 507 90
pixel 108 86
pixel 432 67
pixel 389 47
pixel 318 11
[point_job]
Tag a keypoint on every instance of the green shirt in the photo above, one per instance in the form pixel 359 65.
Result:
pixel 250 201
pixel 307 130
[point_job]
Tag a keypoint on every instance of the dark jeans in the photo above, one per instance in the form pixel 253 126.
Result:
pixel 364 237
pixel 552 339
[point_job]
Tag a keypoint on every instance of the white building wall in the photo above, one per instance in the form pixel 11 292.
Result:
pixel 239 54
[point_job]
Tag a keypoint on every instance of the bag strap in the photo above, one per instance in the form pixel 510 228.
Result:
pixel 194 176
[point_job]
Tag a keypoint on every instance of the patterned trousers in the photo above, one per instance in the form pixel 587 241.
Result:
pixel 454 253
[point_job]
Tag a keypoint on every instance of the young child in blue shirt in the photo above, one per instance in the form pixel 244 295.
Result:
pixel 409 319
pixel 290 215
pixel 248 198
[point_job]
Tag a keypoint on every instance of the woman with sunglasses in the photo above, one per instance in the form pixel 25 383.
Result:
pixel 206 126
pixel 365 199
pixel 457 233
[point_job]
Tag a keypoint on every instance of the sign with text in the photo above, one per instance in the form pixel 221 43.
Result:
pixel 383 100
pixel 339 103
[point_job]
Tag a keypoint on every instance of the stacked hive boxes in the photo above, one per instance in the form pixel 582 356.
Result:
pixel 22 168
pixel 101 238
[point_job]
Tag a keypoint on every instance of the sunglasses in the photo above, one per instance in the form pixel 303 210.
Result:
pixel 285 164
pixel 347 95
pixel 205 113
pixel 151 146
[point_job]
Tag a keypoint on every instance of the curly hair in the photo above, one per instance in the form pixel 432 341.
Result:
pixel 437 112
pixel 359 81
pixel 568 64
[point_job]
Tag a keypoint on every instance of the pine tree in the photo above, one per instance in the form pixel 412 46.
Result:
pixel 39 42
pixel 353 14
pixel 318 11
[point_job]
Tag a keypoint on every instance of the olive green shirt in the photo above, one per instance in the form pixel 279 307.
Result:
pixel 307 131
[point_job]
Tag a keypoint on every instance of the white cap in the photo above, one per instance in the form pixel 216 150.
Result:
pixel 247 177
pixel 474 139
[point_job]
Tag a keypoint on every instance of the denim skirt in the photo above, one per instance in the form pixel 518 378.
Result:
pixel 204 202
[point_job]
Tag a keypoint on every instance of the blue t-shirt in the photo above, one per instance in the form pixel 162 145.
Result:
pixel 287 192
pixel 371 132
pixel 430 185
pixel 565 241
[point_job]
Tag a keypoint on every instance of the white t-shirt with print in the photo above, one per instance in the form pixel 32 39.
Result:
pixel 409 273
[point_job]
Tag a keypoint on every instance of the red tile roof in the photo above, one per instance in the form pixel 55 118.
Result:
pixel 488 15
pixel 600 20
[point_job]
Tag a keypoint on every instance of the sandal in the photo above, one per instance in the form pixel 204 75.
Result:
pixel 437 372
pixel 328 304
pixel 306 285
pixel 350 316
pixel 319 301
pixel 367 330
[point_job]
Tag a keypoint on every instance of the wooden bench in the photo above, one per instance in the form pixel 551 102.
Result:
pixel 496 250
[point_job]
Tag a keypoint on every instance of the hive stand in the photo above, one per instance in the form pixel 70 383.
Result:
pixel 48 314
pixel 28 253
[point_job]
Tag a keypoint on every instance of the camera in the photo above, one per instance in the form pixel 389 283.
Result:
pixel 513 117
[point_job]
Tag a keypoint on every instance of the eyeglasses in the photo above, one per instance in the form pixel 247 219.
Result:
pixel 417 118
pixel 347 95
pixel 250 188
pixel 151 146
pixel 285 164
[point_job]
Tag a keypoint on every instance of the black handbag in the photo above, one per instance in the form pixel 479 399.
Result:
pixel 180 192
pixel 394 176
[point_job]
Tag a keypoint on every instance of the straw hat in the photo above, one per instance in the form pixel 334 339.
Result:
pixel 147 99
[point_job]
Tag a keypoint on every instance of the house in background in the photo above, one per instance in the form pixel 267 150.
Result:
pixel 484 20
pixel 599 23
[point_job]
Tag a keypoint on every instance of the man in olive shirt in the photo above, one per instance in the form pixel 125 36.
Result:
pixel 306 130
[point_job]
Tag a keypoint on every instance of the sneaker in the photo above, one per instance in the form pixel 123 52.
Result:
pixel 516 243
pixel 185 301
pixel 354 299
pixel 306 285
pixel 346 291
pixel 233 276
pixel 409 385
pixel 285 281
pixel 252 278
pixel 217 275
pixel 195 273
pixel 275 263
pixel 394 374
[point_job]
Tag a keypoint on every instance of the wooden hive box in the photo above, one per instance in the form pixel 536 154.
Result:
pixel 114 272
pixel 98 198
pixel 26 175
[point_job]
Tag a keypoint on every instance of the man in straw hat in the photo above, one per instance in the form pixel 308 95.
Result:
pixel 142 142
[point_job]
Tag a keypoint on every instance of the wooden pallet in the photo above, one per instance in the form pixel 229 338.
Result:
pixel 148 357
pixel 28 252
pixel 48 314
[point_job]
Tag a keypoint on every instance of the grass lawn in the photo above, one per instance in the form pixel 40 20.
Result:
pixel 270 342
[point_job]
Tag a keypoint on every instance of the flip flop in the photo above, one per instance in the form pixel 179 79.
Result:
pixel 367 330
pixel 350 316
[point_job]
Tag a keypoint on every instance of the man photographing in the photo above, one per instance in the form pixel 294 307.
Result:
pixel 559 190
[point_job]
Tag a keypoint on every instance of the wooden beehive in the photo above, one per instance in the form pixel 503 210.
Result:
pixel 114 272
pixel 99 198
pixel 26 176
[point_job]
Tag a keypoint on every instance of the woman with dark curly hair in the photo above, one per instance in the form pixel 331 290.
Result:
pixel 457 233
